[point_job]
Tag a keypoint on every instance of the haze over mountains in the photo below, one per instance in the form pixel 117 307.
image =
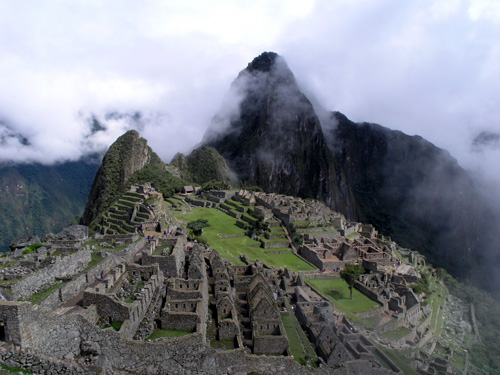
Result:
pixel 270 135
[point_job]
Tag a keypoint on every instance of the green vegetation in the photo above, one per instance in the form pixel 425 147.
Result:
pixel 485 354
pixel 397 334
pixel 159 333
pixel 115 325
pixel 197 226
pixel 350 274
pixel 338 292
pixel 31 248
pixel 32 201
pixel 156 173
pixel 202 165
pixel 300 347
pixel 399 360
pixel 14 370
pixel 231 247
pixel 36 298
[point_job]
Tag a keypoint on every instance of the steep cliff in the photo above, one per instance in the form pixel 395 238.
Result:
pixel 271 136
pixel 413 191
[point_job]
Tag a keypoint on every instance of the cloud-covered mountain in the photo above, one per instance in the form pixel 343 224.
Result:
pixel 411 190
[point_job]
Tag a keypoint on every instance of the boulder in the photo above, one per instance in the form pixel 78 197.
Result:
pixel 23 242
pixel 74 232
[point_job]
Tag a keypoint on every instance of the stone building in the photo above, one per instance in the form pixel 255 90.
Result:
pixel 397 299
pixel 327 254
pixel 186 305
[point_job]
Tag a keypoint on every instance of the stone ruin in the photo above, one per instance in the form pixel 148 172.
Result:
pixel 328 254
pixel 99 319
pixel 393 294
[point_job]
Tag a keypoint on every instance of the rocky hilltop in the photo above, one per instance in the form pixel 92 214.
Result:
pixel 127 155
pixel 273 137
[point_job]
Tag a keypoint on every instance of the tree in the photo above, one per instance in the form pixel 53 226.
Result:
pixel 351 273
pixel 197 226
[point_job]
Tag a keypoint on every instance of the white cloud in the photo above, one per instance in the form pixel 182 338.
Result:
pixel 428 68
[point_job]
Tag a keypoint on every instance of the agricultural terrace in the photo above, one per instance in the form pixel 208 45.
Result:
pixel 231 247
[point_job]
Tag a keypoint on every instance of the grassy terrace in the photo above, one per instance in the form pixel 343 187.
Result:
pixel 399 360
pixel 282 239
pixel 397 334
pixel 300 347
pixel 158 333
pixel 36 298
pixel 276 230
pixel 231 248
pixel 337 291
pixel 437 300
pixel 319 233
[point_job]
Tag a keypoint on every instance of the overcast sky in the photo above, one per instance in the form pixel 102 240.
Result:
pixel 424 67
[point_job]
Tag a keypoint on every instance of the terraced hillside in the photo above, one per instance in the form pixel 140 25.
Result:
pixel 130 211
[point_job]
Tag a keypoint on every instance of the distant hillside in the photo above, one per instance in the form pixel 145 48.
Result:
pixel 38 199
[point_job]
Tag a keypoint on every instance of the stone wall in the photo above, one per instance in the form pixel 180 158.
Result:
pixel 69 336
pixel 64 267
pixel 132 249
pixel 107 306
pixel 72 288
pixel 228 329
pixel 269 365
pixel 10 315
pixel 171 265
pixel 38 363
pixel 274 245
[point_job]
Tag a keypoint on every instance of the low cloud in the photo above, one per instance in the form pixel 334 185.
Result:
pixel 422 68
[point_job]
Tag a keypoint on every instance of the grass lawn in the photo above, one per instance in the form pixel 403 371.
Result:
pixel 36 298
pixel 397 334
pixel 437 304
pixel 231 248
pixel 369 323
pixel 300 347
pixel 399 360
pixel 276 230
pixel 338 292
pixel 157 333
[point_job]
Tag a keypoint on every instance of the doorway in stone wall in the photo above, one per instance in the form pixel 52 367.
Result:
pixel 2 331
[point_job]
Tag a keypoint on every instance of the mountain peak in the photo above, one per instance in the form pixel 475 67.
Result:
pixel 264 62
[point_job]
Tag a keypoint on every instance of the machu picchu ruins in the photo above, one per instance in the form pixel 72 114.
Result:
pixel 144 295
